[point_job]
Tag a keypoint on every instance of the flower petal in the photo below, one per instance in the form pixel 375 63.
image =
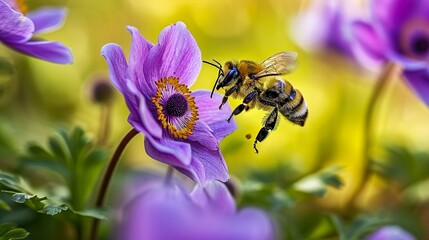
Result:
pixel 141 116
pixel 168 151
pixel 370 48
pixel 332 34
pixel 176 55
pixel 390 232
pixel 391 14
pixel 156 208
pixel 14 27
pixel 252 224
pixel 49 51
pixel 214 196
pixel 419 82
pixel 117 66
pixel 213 162
pixel 47 19
pixel 204 135
pixel 139 50
pixel 208 110
pixel 194 171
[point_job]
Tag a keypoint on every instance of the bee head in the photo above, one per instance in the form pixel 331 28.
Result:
pixel 231 77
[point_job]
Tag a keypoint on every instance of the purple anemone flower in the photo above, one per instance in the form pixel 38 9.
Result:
pixel 17 29
pixel 398 31
pixel 164 211
pixel 325 25
pixel 181 128
pixel 390 233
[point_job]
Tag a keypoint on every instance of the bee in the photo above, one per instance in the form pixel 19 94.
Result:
pixel 260 85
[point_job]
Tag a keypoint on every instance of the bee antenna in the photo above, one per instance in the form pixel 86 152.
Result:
pixel 219 74
pixel 218 66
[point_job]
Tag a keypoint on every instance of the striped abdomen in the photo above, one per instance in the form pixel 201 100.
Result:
pixel 294 107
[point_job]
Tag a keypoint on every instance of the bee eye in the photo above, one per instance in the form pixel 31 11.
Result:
pixel 235 73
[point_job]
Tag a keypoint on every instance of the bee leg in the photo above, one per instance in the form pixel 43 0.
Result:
pixel 269 125
pixel 227 93
pixel 249 97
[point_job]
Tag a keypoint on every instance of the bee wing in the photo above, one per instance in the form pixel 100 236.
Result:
pixel 278 64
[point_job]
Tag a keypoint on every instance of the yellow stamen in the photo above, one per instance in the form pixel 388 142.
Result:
pixel 173 83
pixel 22 6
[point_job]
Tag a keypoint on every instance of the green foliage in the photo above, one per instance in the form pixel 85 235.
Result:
pixel 403 165
pixel 70 164
pixel 409 169
pixel 273 190
pixel 11 232
pixel 268 196
pixel 6 67
pixel 318 183
pixel 4 206
pixel 282 191
pixel 20 192
pixel 360 227
pixel 74 156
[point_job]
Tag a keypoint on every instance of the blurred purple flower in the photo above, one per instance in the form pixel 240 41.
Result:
pixel 390 233
pixel 164 211
pixel 17 29
pixel 398 31
pixel 181 128
pixel 325 25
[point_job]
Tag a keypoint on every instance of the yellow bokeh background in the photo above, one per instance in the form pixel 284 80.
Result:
pixel 336 91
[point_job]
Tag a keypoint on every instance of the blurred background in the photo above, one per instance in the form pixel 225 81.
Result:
pixel 38 97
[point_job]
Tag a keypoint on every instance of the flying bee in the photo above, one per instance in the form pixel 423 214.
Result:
pixel 260 85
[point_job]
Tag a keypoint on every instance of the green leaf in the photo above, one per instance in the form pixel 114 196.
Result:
pixel 417 193
pixel 6 67
pixel 53 209
pixel 339 225
pixel 4 205
pixel 359 227
pixel 93 213
pixel 6 227
pixel 312 185
pixel 13 182
pixel 17 233
pixel 21 197
pixel 41 203
pixel 58 150
pixel 10 232
pixel 73 156
pixel 407 166
pixel 267 196
pixel 32 200
pixel 37 151
pixel 317 184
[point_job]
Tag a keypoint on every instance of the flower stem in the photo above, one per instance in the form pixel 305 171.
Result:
pixel 104 130
pixel 108 176
pixel 390 71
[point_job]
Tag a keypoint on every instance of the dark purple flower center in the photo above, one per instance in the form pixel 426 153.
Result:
pixel 420 44
pixel 414 38
pixel 177 105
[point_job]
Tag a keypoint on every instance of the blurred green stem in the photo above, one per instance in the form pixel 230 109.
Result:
pixel 104 130
pixel 108 176
pixel 390 71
